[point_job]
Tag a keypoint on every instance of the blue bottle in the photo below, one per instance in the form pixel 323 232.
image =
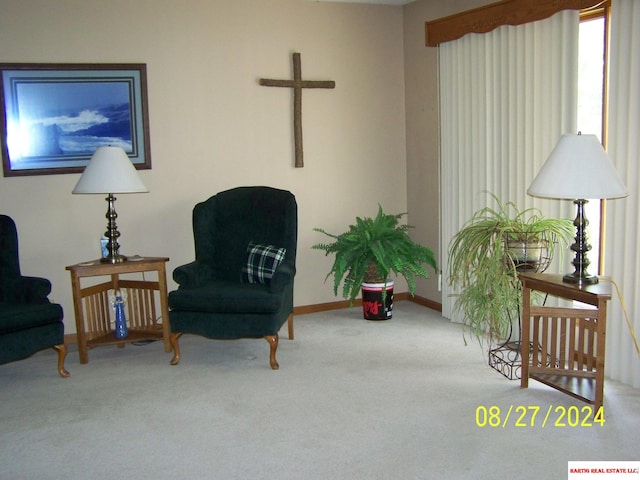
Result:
pixel 121 321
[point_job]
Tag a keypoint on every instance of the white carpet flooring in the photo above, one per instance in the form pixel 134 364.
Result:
pixel 352 400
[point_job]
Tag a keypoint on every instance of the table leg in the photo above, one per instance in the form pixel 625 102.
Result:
pixel 164 309
pixel 524 336
pixel 78 311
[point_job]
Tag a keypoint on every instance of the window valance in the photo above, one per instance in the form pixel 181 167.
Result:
pixel 489 17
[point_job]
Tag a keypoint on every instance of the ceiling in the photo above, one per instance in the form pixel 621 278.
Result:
pixel 379 2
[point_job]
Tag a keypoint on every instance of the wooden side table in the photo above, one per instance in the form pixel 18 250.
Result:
pixel 564 347
pixel 144 300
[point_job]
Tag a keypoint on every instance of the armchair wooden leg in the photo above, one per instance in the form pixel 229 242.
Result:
pixel 173 340
pixel 273 343
pixel 62 354
pixel 290 326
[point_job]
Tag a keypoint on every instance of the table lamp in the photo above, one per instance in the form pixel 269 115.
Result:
pixel 110 171
pixel 578 169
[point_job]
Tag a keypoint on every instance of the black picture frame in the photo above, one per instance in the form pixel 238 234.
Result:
pixel 55 115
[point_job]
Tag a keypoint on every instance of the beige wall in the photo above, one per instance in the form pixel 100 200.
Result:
pixel 213 127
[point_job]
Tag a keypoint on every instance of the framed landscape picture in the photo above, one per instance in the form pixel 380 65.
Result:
pixel 54 116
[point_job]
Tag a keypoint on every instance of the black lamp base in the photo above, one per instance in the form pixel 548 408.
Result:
pixel 580 279
pixel 581 247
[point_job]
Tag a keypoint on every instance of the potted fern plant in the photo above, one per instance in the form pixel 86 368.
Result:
pixel 368 252
pixel 487 254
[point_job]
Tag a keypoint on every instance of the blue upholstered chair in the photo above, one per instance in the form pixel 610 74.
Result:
pixel 29 322
pixel 241 282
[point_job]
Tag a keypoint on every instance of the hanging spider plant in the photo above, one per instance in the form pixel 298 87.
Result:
pixel 484 265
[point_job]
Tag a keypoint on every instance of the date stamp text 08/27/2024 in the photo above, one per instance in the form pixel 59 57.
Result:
pixel 535 416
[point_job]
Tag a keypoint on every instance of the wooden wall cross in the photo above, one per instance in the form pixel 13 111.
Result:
pixel 297 84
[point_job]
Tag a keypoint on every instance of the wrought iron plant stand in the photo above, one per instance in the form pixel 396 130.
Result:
pixel 526 257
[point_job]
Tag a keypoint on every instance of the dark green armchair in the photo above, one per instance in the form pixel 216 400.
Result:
pixel 29 322
pixel 241 282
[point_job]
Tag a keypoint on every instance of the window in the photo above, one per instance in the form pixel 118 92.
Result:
pixel 591 105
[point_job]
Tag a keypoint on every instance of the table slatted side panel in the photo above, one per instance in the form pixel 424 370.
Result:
pixel 142 298
pixel 563 339
pixel 97 310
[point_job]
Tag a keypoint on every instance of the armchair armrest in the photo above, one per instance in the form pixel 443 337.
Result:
pixel 26 290
pixel 282 277
pixel 191 274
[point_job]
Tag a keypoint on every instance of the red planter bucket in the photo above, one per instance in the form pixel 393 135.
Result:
pixel 373 308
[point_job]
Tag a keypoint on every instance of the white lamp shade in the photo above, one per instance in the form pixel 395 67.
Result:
pixel 578 168
pixel 110 171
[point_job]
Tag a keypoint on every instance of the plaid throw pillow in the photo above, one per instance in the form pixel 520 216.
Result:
pixel 262 261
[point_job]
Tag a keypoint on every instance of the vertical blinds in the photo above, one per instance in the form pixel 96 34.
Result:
pixel 506 97
pixel 622 248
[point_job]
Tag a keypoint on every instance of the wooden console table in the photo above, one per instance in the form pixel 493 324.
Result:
pixel 94 312
pixel 564 347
